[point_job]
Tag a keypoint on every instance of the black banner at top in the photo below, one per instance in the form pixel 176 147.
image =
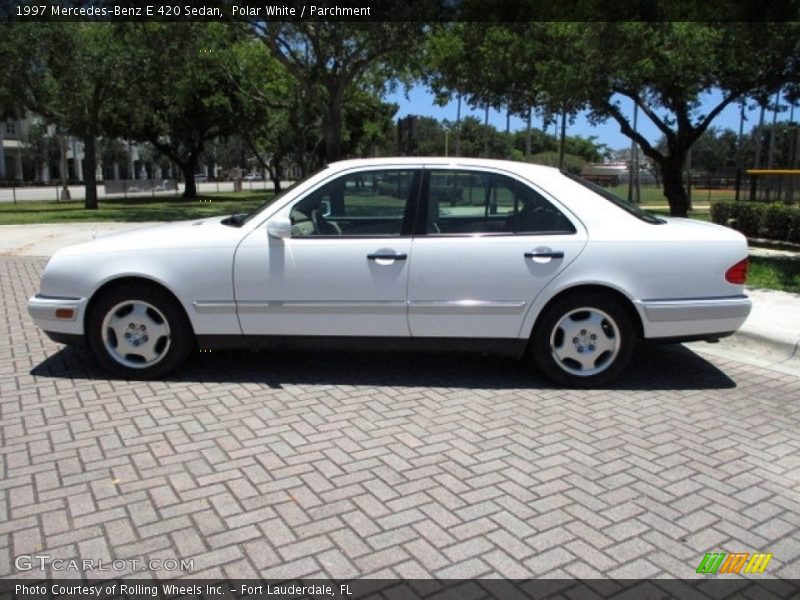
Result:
pixel 399 10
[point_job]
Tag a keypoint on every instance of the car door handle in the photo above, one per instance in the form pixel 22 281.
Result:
pixel 387 256
pixel 544 254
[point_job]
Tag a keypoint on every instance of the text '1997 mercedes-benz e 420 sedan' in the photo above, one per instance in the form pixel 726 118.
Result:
pixel 409 253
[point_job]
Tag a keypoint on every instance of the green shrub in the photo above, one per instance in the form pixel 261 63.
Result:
pixel 754 219
pixel 721 212
pixel 794 226
pixel 778 221
pixel 749 218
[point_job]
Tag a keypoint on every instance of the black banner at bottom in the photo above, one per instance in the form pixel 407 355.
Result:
pixel 402 589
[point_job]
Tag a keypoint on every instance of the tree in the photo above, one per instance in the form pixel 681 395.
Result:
pixel 71 78
pixel 40 147
pixel 275 124
pixel 281 119
pixel 178 94
pixel 329 60
pixel 367 123
pixel 14 69
pixel 667 69
pixel 494 66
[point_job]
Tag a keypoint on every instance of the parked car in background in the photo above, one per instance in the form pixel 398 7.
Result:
pixel 200 177
pixel 411 253
pixel 253 177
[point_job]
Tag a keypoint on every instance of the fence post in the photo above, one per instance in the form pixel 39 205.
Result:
pixel 14 193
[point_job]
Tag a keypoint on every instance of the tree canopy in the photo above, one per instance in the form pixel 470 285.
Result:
pixel 666 69
pixel 181 103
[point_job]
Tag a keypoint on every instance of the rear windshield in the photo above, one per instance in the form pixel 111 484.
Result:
pixel 628 207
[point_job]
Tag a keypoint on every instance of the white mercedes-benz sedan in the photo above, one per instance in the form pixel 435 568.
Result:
pixel 405 253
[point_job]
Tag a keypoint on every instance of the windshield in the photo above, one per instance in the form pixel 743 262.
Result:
pixel 277 196
pixel 628 207
pixel 240 219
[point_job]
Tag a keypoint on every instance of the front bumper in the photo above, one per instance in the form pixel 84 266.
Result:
pixel 57 314
pixel 693 316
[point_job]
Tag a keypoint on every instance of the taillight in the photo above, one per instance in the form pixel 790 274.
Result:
pixel 737 273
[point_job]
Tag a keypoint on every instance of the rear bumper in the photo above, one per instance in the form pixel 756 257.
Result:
pixel 693 317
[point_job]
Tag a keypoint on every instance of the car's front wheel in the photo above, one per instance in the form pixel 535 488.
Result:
pixel 583 340
pixel 139 331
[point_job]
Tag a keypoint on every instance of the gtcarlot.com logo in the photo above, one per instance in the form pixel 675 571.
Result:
pixel 29 562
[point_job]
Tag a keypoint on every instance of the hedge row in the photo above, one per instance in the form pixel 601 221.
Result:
pixel 756 219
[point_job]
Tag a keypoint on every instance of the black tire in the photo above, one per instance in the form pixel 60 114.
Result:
pixel 118 335
pixel 583 340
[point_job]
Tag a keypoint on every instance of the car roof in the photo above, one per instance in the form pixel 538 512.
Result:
pixel 444 161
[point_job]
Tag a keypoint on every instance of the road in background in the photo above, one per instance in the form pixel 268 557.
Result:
pixel 52 193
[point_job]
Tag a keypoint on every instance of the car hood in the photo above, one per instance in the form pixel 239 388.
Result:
pixel 205 233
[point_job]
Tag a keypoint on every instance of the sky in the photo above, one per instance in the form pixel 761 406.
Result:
pixel 419 101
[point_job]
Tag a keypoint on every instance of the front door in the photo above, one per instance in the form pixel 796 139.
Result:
pixel 344 270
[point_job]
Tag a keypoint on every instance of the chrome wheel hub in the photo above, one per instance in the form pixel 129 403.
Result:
pixel 136 334
pixel 585 341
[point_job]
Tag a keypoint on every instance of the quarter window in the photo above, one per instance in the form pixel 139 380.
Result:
pixel 369 203
pixel 467 202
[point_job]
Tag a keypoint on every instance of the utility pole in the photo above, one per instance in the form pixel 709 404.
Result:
pixel 458 127
pixel 563 137
pixel 486 132
pixel 772 136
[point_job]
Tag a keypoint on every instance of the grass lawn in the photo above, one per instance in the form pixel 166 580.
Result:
pixel 775 273
pixel 132 209
pixel 654 196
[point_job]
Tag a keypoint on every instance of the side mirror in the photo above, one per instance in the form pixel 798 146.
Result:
pixel 279 227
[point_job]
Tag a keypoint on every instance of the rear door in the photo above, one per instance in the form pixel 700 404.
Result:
pixel 489 243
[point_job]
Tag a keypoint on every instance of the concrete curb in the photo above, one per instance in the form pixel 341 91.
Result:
pixel 786 348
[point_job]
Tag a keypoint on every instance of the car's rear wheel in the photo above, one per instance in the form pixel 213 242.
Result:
pixel 583 340
pixel 139 331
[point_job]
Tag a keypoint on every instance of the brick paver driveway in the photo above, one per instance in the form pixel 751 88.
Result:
pixel 350 465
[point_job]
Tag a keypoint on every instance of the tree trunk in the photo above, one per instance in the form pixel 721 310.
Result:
pixel 672 173
pixel 563 139
pixel 274 171
pixel 190 187
pixel 333 131
pixel 90 171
